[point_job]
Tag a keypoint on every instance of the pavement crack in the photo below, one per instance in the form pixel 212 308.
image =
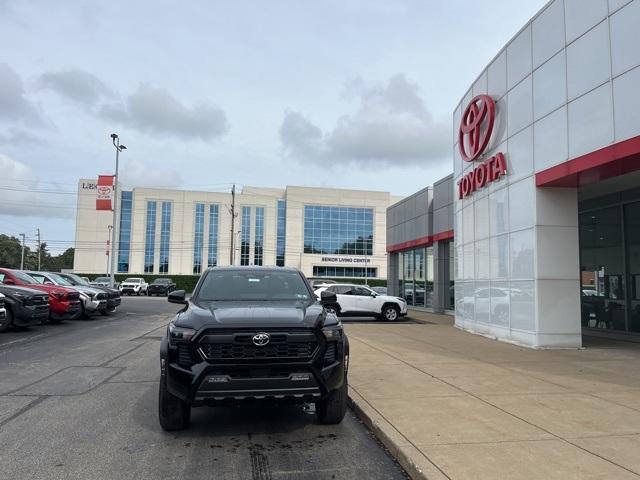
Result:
pixel 24 409
pixel 260 469
pixel 105 364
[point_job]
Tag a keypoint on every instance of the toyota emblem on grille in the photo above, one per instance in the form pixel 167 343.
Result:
pixel 261 339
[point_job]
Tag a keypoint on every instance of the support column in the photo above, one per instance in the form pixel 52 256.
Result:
pixel 440 276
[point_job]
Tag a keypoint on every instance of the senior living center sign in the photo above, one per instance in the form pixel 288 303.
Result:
pixel 476 127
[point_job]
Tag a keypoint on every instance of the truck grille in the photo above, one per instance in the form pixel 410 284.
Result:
pixel 101 296
pixel 73 296
pixel 37 300
pixel 239 346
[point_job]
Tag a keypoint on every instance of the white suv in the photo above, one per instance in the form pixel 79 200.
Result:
pixel 361 301
pixel 133 286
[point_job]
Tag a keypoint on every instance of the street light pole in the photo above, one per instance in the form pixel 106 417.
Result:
pixel 109 251
pixel 116 143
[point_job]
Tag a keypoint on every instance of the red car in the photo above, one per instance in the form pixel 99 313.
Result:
pixel 64 303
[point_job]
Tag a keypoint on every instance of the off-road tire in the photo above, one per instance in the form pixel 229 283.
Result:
pixel 332 409
pixel 173 413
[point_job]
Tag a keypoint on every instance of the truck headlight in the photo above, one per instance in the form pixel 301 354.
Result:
pixel 180 334
pixel 333 333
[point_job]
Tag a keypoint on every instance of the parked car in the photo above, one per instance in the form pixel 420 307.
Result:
pixel 24 307
pixel 113 294
pixel 359 300
pixel 252 333
pixel 103 282
pixel 92 300
pixel 161 286
pixel 64 303
pixel 380 290
pixel 320 282
pixel 134 286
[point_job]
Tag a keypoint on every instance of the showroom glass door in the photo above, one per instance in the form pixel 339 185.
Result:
pixel 602 269
pixel 632 233
pixel 408 293
pixel 420 277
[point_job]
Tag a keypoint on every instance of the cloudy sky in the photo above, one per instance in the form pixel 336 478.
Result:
pixel 347 93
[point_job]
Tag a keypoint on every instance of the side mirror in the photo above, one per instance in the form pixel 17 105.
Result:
pixel 327 298
pixel 177 296
pixel 374 294
pixel 9 282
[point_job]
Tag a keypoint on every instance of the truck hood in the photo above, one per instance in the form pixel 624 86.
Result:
pixel 9 290
pixel 271 314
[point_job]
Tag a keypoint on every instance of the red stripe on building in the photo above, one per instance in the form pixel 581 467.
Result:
pixel 421 242
pixel 612 161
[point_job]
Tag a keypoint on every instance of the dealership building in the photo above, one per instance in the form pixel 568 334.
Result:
pixel 325 232
pixel 538 231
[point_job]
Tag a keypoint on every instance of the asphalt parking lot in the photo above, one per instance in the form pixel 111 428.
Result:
pixel 79 400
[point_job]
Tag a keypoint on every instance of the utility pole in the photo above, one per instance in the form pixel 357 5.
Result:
pixel 39 249
pixel 22 256
pixel 232 211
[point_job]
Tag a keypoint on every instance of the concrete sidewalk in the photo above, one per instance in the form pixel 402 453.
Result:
pixel 449 404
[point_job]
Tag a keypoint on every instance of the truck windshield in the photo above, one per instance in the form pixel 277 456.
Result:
pixel 234 285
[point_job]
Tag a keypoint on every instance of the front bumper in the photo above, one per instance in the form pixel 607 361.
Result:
pixel 66 310
pixel 157 291
pixel 112 303
pixel 209 382
pixel 29 315
pixel 131 290
pixel 91 306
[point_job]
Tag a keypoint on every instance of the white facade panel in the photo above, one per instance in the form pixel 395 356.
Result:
pixel 519 107
pixel 548 32
pixel 581 15
pixel 519 57
pixel 626 104
pixel 588 61
pixel 550 140
pixel 550 86
pixel 625 38
pixel 591 121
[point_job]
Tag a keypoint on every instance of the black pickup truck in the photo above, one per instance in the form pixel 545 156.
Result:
pixel 25 307
pixel 252 333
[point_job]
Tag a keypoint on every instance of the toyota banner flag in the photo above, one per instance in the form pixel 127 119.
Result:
pixel 104 192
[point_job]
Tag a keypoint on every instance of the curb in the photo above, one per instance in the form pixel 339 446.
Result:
pixel 414 462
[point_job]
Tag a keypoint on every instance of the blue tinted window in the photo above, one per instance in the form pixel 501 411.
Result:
pixel 212 259
pixel 198 239
pixel 124 234
pixel 245 235
pixel 281 232
pixel 338 230
pixel 150 238
pixel 350 272
pixel 165 234
pixel 259 237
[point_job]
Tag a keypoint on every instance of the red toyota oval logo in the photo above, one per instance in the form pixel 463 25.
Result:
pixel 104 190
pixel 477 138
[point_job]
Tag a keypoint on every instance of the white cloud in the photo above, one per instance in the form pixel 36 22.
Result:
pixel 21 195
pixel 155 111
pixel 14 104
pixel 76 85
pixel 134 173
pixel 391 125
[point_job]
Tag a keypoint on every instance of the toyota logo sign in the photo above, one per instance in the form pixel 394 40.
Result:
pixel 472 137
pixel 261 339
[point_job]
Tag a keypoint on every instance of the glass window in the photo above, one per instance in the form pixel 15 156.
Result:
pixel 165 234
pixel 245 235
pixel 602 269
pixel 124 234
pixel 632 229
pixel 338 230
pixel 420 272
pixel 150 237
pixel 198 238
pixel 348 272
pixel 408 292
pixel 212 255
pixel 259 237
pixel 281 232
